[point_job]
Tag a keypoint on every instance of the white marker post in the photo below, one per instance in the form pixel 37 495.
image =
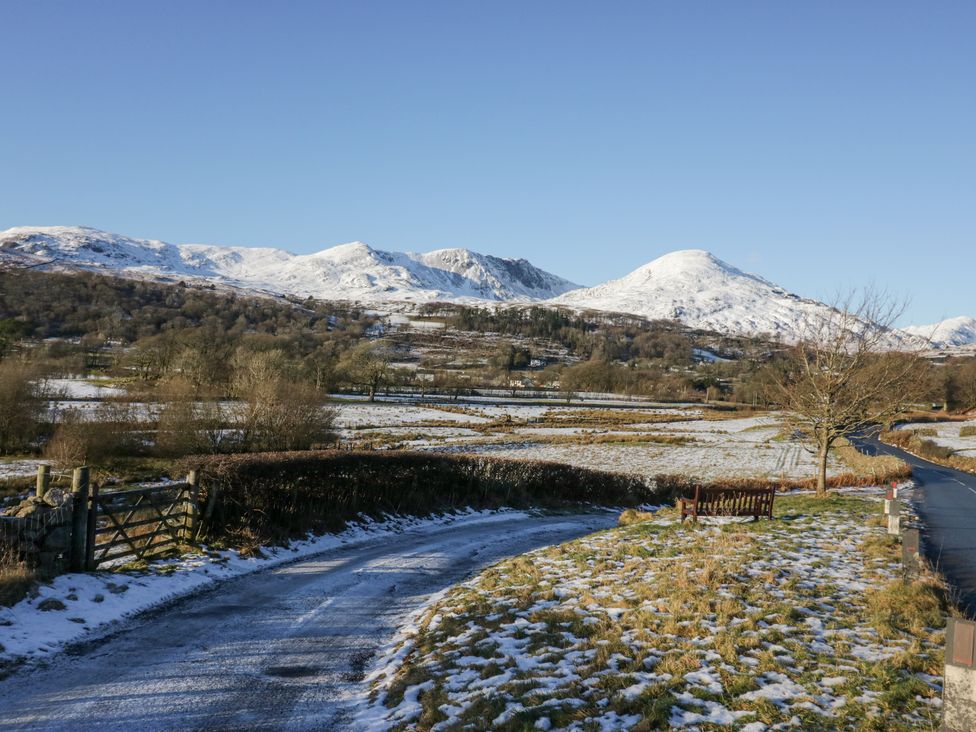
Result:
pixel 892 509
pixel 959 697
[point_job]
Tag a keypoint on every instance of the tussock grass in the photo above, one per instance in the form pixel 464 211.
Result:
pixel 876 469
pixel 915 608
pixel 633 516
pixel 657 620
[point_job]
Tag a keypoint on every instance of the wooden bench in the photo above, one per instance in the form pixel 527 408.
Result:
pixel 753 502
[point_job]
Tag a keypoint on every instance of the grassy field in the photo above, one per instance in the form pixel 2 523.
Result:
pixel 801 622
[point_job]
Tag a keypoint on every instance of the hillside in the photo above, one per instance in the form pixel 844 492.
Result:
pixel 703 292
pixel 691 286
pixel 353 271
pixel 950 333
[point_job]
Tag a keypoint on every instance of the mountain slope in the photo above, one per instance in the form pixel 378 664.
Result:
pixel 691 286
pixel 701 291
pixel 948 333
pixel 345 272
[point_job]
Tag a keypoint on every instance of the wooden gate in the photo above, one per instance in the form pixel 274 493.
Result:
pixel 140 522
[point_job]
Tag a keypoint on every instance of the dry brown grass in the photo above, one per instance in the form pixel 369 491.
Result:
pixel 17 579
pixel 876 469
pixel 917 607
pixel 595 418
pixel 928 449
pixel 633 516
pixel 680 590
pixel 921 417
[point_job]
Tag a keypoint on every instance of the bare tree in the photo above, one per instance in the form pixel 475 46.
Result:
pixel 368 366
pixel 278 411
pixel 22 402
pixel 850 371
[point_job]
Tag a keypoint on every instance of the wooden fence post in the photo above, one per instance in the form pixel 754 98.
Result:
pixel 910 552
pixel 79 519
pixel 43 480
pixel 191 509
pixel 92 526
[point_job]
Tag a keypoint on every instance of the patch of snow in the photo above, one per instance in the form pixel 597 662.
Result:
pixel 94 600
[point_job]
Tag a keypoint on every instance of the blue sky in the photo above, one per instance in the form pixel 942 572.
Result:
pixel 821 144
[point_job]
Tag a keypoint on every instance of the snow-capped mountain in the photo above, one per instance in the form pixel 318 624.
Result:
pixel 703 292
pixel 949 333
pixel 691 286
pixel 345 272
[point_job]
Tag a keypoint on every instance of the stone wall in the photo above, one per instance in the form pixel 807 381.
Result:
pixel 38 531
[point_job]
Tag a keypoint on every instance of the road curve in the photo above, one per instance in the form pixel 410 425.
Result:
pixel 282 649
pixel 946 503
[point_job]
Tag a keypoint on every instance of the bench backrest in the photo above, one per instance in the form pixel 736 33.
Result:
pixel 734 501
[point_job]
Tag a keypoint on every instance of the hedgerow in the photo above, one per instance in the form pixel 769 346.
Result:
pixel 929 449
pixel 266 497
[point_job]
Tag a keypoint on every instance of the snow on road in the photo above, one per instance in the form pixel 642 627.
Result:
pixel 93 600
pixel 279 649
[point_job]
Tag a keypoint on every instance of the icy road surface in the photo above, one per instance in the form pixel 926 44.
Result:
pixel 278 650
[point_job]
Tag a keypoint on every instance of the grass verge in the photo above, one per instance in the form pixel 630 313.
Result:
pixel 802 621
pixel 913 442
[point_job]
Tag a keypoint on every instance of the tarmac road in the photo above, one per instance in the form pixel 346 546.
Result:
pixel 947 506
pixel 283 649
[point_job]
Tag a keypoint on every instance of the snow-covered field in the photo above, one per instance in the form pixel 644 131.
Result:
pixel 747 447
pixel 19 468
pixel 357 415
pixel 947 435
pixel 707 448
pixel 87 388
pixel 766 626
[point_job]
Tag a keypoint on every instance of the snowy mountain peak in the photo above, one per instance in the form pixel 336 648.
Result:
pixel 685 263
pixel 952 332
pixel 353 271
pixel 351 250
pixel 699 289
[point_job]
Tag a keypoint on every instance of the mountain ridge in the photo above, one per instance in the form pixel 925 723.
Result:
pixel 948 333
pixel 692 286
pixel 353 271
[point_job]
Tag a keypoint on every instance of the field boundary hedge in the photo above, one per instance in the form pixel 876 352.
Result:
pixel 271 497
pixel 917 444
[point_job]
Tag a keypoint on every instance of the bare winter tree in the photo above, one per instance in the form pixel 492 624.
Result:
pixel 367 365
pixel 850 371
